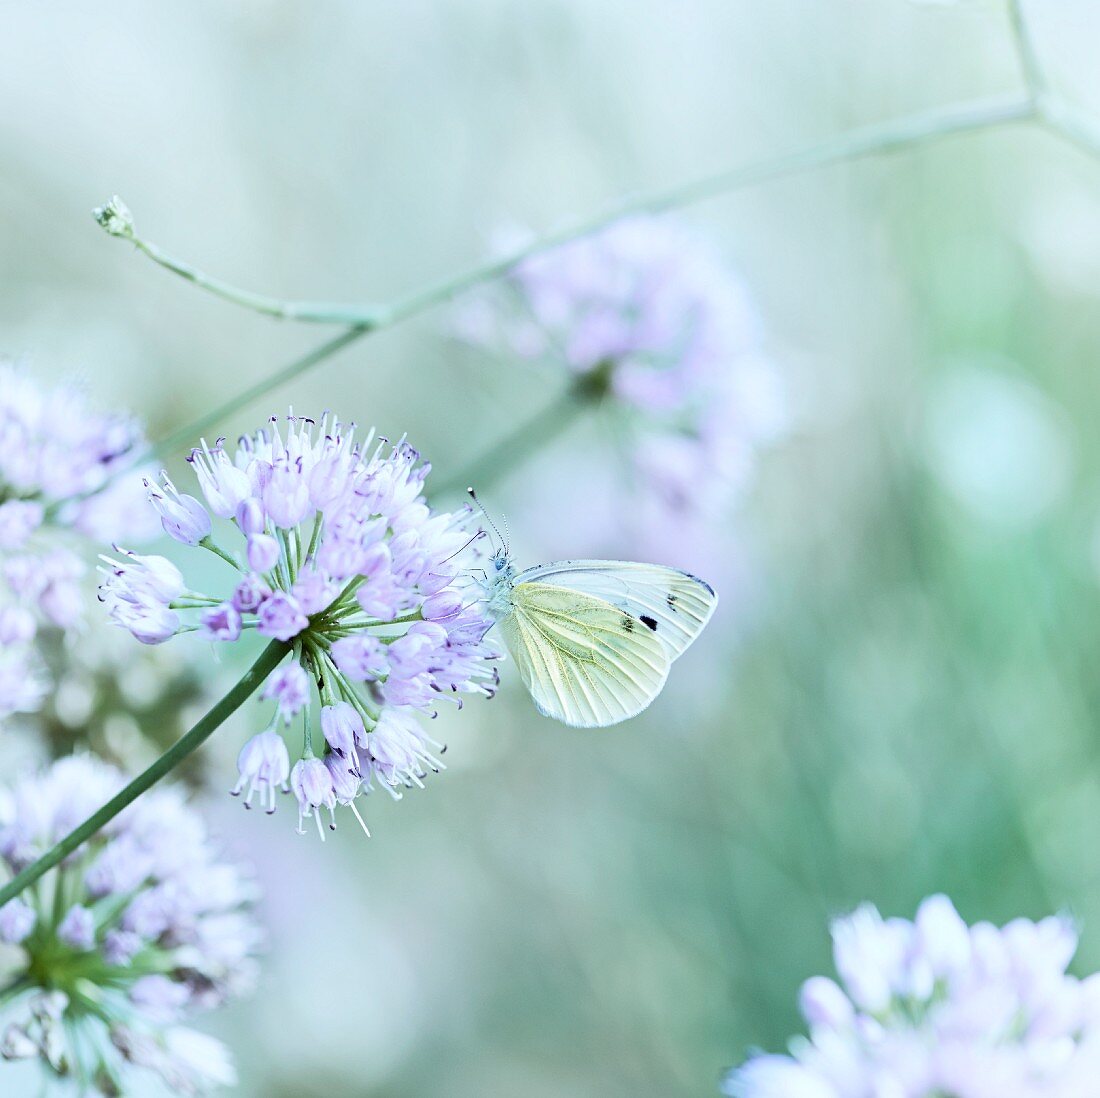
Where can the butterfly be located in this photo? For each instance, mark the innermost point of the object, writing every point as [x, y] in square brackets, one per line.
[594, 639]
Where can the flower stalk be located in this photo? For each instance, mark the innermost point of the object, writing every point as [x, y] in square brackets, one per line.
[517, 446]
[900, 134]
[233, 700]
[903, 133]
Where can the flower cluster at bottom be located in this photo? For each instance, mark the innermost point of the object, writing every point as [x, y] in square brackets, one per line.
[935, 1009]
[344, 562]
[139, 928]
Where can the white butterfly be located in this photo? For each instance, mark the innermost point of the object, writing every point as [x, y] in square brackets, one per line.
[594, 639]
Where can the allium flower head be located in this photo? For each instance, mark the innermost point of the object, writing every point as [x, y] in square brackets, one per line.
[138, 930]
[645, 312]
[932, 1007]
[57, 461]
[338, 556]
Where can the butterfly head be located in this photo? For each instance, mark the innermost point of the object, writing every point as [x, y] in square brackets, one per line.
[501, 572]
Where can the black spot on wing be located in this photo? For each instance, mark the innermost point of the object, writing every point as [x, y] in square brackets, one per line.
[670, 598]
[649, 622]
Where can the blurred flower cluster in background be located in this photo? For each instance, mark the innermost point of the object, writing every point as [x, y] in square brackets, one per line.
[859, 398]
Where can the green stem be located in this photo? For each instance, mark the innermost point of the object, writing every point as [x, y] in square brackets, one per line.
[857, 144]
[209, 543]
[516, 447]
[868, 141]
[315, 537]
[268, 660]
[260, 303]
[1032, 71]
[189, 432]
[1070, 124]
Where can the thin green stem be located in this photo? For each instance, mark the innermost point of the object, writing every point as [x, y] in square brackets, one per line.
[190, 432]
[1034, 79]
[315, 536]
[209, 543]
[264, 665]
[1072, 125]
[307, 733]
[857, 144]
[260, 303]
[902, 133]
[1052, 112]
[512, 450]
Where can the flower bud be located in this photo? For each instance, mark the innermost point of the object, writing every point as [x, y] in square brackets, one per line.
[942, 938]
[343, 728]
[312, 785]
[221, 622]
[250, 516]
[286, 495]
[148, 624]
[114, 217]
[361, 658]
[263, 552]
[160, 575]
[222, 483]
[17, 920]
[181, 515]
[249, 593]
[443, 606]
[345, 781]
[281, 617]
[264, 765]
[289, 686]
[77, 929]
[824, 1004]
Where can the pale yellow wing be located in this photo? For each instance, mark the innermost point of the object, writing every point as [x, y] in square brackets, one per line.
[585, 662]
[673, 604]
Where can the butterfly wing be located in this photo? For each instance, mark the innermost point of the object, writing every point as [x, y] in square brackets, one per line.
[674, 605]
[585, 662]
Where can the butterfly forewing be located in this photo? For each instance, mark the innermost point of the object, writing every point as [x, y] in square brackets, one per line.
[673, 605]
[585, 661]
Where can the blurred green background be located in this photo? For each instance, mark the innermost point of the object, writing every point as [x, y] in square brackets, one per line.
[900, 693]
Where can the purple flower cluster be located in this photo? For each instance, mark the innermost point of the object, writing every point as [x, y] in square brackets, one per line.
[140, 928]
[339, 557]
[932, 1007]
[57, 461]
[645, 311]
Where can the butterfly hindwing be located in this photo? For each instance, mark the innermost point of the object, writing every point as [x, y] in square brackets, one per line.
[674, 605]
[585, 661]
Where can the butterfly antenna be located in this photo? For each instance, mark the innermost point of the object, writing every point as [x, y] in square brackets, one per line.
[461, 548]
[488, 518]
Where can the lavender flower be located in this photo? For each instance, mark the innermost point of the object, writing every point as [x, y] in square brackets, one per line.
[343, 560]
[58, 461]
[139, 929]
[644, 312]
[934, 1007]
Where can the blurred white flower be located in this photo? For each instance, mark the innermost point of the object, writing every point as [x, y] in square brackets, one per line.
[934, 1007]
[58, 462]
